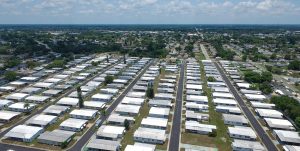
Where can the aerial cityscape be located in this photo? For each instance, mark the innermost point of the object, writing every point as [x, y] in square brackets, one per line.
[149, 75]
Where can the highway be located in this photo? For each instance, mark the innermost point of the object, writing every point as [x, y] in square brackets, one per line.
[176, 124]
[257, 127]
[85, 138]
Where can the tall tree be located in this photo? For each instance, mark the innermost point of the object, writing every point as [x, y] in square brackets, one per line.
[126, 124]
[150, 91]
[108, 79]
[26, 106]
[80, 99]
[124, 58]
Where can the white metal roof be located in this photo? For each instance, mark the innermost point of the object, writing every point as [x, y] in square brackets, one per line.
[41, 119]
[56, 109]
[52, 80]
[262, 105]
[288, 136]
[269, 113]
[7, 115]
[224, 101]
[222, 95]
[128, 108]
[245, 131]
[109, 129]
[74, 123]
[243, 85]
[102, 96]
[131, 100]
[252, 145]
[257, 97]
[194, 86]
[150, 133]
[17, 96]
[38, 98]
[23, 132]
[152, 121]
[5, 102]
[94, 104]
[20, 105]
[196, 98]
[43, 85]
[136, 94]
[68, 101]
[159, 111]
[83, 112]
[279, 123]
[139, 148]
[194, 125]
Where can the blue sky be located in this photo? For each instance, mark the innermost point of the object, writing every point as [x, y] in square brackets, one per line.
[149, 11]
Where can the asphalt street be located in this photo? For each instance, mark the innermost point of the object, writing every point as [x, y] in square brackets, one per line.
[176, 125]
[257, 127]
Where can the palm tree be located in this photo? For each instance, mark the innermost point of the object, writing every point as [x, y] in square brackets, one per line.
[26, 106]
[103, 111]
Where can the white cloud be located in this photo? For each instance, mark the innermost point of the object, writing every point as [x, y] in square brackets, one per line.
[151, 8]
[265, 5]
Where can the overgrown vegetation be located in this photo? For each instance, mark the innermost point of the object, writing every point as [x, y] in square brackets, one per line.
[57, 63]
[10, 75]
[259, 81]
[108, 79]
[289, 106]
[221, 52]
[294, 65]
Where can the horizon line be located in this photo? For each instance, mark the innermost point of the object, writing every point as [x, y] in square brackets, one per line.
[143, 24]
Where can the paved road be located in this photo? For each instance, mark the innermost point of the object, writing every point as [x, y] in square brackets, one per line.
[83, 140]
[8, 147]
[257, 127]
[41, 110]
[204, 51]
[176, 125]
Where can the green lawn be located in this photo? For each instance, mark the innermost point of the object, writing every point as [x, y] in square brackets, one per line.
[128, 137]
[198, 139]
[298, 87]
[144, 111]
[222, 140]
